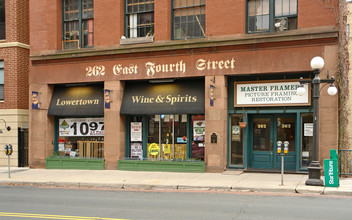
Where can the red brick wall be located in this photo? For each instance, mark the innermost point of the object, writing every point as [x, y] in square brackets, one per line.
[223, 17]
[317, 13]
[16, 59]
[45, 25]
[15, 78]
[16, 18]
[108, 25]
[162, 20]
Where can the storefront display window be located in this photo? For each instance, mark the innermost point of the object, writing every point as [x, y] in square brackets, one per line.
[307, 139]
[236, 157]
[198, 143]
[81, 137]
[167, 137]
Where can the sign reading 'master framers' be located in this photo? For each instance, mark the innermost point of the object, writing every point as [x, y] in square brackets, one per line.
[281, 93]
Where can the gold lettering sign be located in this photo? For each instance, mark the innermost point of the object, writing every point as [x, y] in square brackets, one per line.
[77, 102]
[164, 99]
[202, 64]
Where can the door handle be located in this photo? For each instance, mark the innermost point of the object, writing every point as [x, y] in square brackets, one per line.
[271, 147]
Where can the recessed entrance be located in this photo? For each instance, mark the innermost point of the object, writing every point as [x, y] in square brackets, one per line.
[264, 132]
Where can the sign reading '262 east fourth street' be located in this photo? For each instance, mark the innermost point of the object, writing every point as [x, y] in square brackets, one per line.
[273, 93]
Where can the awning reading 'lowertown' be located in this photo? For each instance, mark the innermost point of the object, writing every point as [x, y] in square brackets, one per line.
[77, 101]
[181, 97]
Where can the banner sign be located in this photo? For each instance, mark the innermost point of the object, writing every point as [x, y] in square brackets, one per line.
[179, 97]
[35, 100]
[107, 98]
[81, 127]
[77, 101]
[270, 94]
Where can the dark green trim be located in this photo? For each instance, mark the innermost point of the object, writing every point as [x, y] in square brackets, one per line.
[56, 134]
[189, 136]
[74, 163]
[127, 137]
[145, 135]
[164, 166]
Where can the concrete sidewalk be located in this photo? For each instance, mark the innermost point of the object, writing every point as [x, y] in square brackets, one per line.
[115, 179]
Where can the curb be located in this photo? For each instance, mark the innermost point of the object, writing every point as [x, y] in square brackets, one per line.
[131, 186]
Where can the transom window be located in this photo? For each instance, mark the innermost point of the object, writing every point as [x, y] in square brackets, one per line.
[2, 19]
[78, 24]
[139, 18]
[188, 19]
[271, 15]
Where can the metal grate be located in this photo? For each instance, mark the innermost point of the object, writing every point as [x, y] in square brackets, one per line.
[345, 162]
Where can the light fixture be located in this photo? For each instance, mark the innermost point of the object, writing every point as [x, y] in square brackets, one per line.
[161, 80]
[123, 37]
[301, 90]
[314, 168]
[317, 63]
[8, 128]
[332, 90]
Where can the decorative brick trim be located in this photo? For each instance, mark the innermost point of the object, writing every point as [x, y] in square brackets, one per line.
[14, 44]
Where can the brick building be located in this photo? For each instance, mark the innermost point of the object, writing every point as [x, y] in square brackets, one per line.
[14, 70]
[166, 85]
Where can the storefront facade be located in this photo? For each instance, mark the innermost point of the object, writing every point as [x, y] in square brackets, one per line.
[182, 101]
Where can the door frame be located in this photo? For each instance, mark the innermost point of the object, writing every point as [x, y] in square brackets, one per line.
[275, 160]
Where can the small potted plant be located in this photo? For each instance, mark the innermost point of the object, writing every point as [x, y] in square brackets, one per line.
[242, 124]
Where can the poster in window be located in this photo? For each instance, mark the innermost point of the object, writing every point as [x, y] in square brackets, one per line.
[198, 130]
[136, 150]
[308, 129]
[236, 131]
[136, 131]
[69, 127]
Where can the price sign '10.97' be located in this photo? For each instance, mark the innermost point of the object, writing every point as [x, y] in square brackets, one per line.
[81, 127]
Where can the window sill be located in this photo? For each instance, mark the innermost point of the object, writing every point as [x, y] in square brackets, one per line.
[137, 40]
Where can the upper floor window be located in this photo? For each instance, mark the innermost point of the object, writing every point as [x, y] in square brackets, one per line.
[188, 19]
[2, 19]
[78, 24]
[139, 18]
[271, 15]
[1, 80]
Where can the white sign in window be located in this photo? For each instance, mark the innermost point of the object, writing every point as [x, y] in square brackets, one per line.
[308, 129]
[136, 131]
[81, 127]
[276, 93]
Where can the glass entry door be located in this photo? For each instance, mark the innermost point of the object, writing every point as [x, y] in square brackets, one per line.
[265, 131]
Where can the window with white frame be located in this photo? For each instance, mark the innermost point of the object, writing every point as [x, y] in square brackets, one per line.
[139, 18]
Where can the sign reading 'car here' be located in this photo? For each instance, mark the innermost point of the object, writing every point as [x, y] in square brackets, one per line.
[277, 93]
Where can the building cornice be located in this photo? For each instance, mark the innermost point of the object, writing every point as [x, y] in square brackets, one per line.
[14, 44]
[297, 37]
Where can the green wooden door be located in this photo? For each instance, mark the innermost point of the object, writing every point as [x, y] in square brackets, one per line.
[265, 131]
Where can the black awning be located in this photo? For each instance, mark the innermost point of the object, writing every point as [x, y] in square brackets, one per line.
[181, 97]
[77, 101]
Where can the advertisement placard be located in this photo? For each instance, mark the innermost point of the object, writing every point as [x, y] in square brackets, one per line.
[81, 127]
